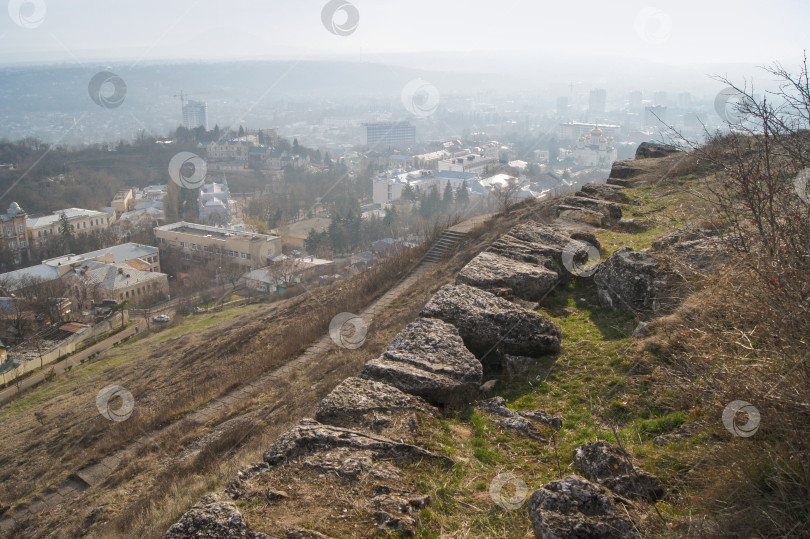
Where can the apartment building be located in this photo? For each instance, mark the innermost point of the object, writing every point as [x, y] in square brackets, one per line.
[229, 150]
[122, 201]
[130, 271]
[80, 221]
[12, 231]
[385, 134]
[202, 243]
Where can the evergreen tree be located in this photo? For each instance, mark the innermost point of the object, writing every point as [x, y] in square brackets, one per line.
[64, 226]
[447, 198]
[463, 195]
[430, 205]
[408, 193]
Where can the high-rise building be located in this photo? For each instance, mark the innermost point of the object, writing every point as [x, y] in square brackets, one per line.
[195, 114]
[597, 101]
[660, 99]
[384, 134]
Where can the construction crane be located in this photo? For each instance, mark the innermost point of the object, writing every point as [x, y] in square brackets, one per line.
[183, 97]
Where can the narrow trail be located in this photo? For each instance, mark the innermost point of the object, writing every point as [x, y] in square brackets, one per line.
[95, 474]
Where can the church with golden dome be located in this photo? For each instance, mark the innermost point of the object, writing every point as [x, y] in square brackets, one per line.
[595, 150]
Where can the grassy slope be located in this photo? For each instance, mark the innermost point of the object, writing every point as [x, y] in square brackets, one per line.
[602, 384]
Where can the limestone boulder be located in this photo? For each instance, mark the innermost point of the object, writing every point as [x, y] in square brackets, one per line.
[612, 193]
[630, 280]
[582, 215]
[647, 150]
[488, 323]
[613, 468]
[624, 170]
[429, 359]
[357, 402]
[575, 507]
[212, 518]
[610, 210]
[544, 245]
[492, 271]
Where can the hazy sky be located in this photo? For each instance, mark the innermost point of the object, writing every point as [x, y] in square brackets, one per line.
[688, 31]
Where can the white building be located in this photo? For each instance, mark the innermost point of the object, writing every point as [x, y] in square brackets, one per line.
[215, 202]
[195, 114]
[574, 130]
[80, 222]
[595, 150]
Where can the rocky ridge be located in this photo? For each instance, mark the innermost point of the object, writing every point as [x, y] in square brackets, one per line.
[466, 333]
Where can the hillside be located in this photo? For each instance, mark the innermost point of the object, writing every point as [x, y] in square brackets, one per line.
[601, 432]
[470, 422]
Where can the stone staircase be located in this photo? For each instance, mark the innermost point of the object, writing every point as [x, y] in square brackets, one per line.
[444, 246]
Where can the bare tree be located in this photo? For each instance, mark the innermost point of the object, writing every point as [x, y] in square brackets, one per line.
[506, 195]
[284, 272]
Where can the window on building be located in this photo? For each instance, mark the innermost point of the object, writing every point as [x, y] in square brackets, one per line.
[20, 228]
[23, 243]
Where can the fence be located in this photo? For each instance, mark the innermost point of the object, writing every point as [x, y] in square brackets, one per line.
[68, 348]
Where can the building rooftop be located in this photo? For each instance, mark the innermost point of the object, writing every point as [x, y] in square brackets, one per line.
[121, 253]
[71, 213]
[14, 280]
[14, 210]
[213, 231]
[113, 277]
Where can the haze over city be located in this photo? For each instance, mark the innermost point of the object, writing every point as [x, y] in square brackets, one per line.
[374, 268]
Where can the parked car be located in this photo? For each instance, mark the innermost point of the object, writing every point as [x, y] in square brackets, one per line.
[161, 318]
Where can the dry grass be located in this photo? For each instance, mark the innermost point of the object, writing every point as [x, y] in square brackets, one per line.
[172, 373]
[169, 374]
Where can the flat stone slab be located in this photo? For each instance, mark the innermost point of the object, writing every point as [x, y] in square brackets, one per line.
[355, 402]
[543, 245]
[604, 191]
[492, 271]
[310, 437]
